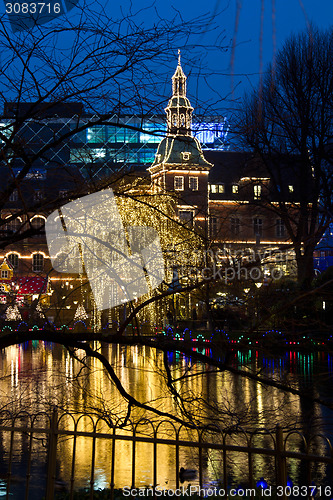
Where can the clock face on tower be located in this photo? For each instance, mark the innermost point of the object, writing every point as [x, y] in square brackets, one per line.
[24, 15]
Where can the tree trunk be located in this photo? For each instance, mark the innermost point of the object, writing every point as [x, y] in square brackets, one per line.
[305, 271]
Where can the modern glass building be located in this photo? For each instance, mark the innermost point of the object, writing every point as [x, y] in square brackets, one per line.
[120, 142]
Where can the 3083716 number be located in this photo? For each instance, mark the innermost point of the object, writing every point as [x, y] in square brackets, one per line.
[33, 8]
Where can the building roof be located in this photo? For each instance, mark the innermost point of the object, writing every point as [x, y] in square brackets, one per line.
[170, 152]
[32, 285]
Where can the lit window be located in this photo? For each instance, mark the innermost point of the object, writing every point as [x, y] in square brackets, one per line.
[4, 274]
[291, 188]
[217, 188]
[37, 262]
[193, 183]
[179, 183]
[235, 225]
[257, 226]
[186, 156]
[280, 228]
[257, 192]
[13, 195]
[234, 188]
[13, 260]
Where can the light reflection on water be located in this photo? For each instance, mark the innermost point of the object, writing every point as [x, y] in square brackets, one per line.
[38, 375]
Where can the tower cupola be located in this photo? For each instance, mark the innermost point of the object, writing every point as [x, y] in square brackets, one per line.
[179, 110]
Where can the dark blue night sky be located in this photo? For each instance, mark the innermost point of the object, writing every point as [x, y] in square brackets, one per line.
[290, 16]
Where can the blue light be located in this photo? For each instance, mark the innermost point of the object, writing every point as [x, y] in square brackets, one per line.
[289, 482]
[262, 483]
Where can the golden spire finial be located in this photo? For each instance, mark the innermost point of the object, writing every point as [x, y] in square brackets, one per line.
[178, 57]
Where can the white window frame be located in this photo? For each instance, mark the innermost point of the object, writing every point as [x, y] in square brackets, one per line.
[180, 179]
[194, 180]
[14, 266]
[257, 188]
[37, 267]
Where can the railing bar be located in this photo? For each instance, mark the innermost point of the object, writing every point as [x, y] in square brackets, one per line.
[225, 471]
[28, 468]
[133, 458]
[92, 481]
[113, 456]
[216, 446]
[155, 467]
[10, 464]
[200, 466]
[177, 462]
[72, 480]
[251, 481]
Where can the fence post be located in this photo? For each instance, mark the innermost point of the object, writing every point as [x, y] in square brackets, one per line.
[52, 456]
[281, 461]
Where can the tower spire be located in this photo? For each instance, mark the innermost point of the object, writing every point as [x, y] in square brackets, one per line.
[179, 110]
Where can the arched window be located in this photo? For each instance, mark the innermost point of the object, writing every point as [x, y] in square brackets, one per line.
[182, 120]
[13, 259]
[13, 226]
[37, 262]
[174, 119]
[38, 223]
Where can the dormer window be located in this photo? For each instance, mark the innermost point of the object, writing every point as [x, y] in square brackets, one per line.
[257, 191]
[186, 156]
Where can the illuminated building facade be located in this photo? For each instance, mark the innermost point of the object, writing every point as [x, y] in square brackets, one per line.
[227, 196]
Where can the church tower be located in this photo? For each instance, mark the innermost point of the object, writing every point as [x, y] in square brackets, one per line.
[179, 164]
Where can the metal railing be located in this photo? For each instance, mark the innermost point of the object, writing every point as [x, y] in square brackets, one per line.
[67, 426]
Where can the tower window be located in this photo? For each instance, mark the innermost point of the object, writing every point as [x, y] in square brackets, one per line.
[257, 191]
[179, 183]
[193, 183]
[182, 120]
